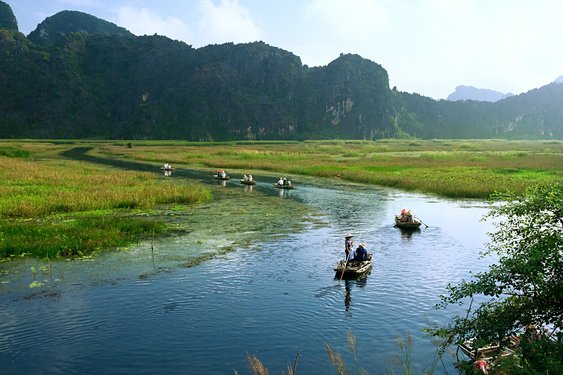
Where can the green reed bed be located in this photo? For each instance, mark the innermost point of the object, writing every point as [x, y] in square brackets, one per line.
[33, 189]
[60, 207]
[73, 237]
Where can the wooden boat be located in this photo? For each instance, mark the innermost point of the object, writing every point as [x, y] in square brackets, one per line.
[248, 182]
[218, 173]
[414, 224]
[484, 357]
[169, 168]
[284, 186]
[354, 268]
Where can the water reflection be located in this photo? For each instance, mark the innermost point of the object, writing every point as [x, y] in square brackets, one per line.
[359, 282]
[248, 187]
[284, 193]
[167, 172]
[407, 234]
[347, 295]
[221, 182]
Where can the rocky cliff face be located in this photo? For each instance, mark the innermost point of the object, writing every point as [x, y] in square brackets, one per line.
[54, 28]
[80, 77]
[7, 18]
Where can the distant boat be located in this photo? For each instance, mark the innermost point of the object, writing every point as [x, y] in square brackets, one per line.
[248, 182]
[354, 268]
[284, 186]
[413, 224]
[167, 167]
[219, 175]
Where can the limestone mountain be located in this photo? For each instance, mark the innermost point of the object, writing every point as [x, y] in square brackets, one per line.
[63, 23]
[77, 76]
[536, 114]
[7, 19]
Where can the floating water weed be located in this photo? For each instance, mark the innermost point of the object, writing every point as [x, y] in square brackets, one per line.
[36, 284]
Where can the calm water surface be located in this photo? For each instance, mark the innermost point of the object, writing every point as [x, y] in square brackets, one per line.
[271, 292]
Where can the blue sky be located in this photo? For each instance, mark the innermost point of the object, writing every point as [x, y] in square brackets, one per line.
[426, 46]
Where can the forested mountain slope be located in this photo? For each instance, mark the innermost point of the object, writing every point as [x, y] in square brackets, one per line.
[77, 76]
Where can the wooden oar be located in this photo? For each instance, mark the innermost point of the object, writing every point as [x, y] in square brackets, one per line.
[344, 269]
[422, 222]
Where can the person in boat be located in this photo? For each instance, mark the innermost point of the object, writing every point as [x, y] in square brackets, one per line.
[280, 182]
[406, 216]
[245, 178]
[249, 177]
[361, 253]
[284, 181]
[288, 182]
[222, 174]
[481, 364]
[348, 243]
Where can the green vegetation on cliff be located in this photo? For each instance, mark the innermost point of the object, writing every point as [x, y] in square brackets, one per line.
[77, 76]
[7, 19]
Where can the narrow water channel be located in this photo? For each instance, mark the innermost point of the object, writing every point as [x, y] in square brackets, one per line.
[249, 273]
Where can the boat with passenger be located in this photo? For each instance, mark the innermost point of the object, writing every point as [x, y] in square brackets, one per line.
[353, 268]
[284, 183]
[248, 180]
[221, 175]
[407, 220]
[167, 167]
[485, 357]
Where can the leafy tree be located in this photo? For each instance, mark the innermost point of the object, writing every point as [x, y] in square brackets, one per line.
[525, 286]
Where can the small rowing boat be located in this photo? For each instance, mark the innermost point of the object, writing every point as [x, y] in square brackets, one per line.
[353, 268]
[414, 223]
[485, 357]
[248, 182]
[284, 186]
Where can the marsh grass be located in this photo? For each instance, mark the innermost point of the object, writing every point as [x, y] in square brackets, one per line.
[30, 189]
[81, 236]
[14, 152]
[55, 207]
[451, 168]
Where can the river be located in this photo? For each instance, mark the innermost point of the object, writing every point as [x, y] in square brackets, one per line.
[249, 273]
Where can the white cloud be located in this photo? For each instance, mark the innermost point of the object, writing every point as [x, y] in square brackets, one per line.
[227, 21]
[146, 22]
